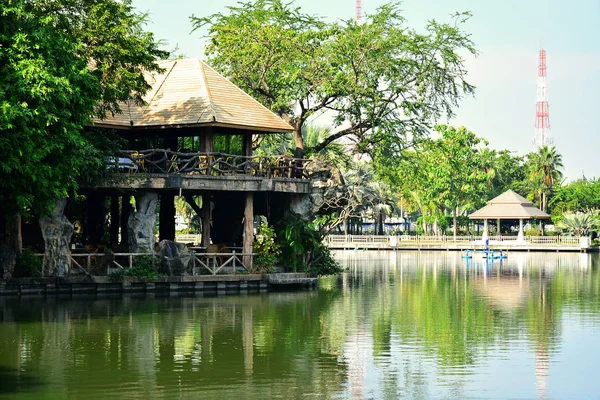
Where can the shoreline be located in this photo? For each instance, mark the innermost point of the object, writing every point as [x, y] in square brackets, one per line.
[228, 284]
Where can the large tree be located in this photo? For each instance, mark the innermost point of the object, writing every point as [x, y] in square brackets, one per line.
[384, 83]
[62, 63]
[447, 172]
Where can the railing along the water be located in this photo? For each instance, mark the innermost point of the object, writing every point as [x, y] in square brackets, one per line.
[211, 262]
[160, 161]
[407, 240]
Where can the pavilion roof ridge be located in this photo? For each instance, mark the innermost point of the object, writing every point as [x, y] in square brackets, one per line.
[510, 197]
[190, 93]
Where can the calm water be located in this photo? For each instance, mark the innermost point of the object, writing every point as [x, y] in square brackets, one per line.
[396, 325]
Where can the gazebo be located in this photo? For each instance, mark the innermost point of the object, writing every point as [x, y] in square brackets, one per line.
[509, 205]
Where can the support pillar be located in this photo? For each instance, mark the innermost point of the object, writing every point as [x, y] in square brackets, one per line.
[96, 218]
[498, 227]
[484, 236]
[125, 212]
[57, 232]
[520, 237]
[167, 217]
[114, 219]
[248, 229]
[142, 222]
[205, 217]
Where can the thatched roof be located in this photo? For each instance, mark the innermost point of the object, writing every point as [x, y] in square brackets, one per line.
[509, 205]
[189, 93]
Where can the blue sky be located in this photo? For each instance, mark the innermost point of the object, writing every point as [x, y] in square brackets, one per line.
[508, 35]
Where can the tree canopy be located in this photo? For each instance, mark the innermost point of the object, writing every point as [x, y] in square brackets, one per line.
[385, 84]
[61, 63]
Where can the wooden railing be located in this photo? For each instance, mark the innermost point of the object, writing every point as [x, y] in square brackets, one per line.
[159, 161]
[212, 262]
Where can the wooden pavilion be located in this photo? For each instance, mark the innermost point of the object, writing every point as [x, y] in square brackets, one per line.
[508, 206]
[194, 137]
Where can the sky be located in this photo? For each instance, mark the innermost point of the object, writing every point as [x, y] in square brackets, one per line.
[508, 35]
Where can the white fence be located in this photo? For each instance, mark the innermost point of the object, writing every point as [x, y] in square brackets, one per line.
[405, 240]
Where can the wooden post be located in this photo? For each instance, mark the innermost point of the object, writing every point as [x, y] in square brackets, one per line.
[114, 219]
[248, 144]
[125, 211]
[248, 229]
[205, 216]
[167, 217]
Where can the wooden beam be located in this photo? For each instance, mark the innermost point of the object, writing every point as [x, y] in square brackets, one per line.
[248, 229]
[167, 216]
[125, 211]
[114, 219]
[205, 217]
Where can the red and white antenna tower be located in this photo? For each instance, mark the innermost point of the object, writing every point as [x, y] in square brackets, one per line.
[542, 111]
[358, 10]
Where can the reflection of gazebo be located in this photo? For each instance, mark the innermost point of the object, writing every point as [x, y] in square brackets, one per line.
[509, 205]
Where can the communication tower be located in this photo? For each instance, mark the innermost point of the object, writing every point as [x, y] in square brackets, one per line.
[542, 111]
[358, 10]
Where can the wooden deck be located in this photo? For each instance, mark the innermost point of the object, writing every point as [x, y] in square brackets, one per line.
[448, 243]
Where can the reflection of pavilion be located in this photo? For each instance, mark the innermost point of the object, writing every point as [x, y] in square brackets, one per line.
[503, 292]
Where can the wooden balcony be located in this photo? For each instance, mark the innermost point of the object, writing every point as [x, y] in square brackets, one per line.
[171, 170]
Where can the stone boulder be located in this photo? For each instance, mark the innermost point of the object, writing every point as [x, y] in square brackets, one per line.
[142, 222]
[175, 258]
[57, 232]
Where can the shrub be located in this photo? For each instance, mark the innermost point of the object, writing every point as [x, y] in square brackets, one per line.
[28, 265]
[532, 232]
[266, 250]
[142, 268]
[303, 250]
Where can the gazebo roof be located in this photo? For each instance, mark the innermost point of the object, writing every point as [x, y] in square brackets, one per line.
[189, 93]
[509, 205]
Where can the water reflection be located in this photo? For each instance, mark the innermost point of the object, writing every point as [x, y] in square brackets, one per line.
[396, 325]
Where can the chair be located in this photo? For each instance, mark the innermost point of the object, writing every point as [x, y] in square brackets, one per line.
[138, 159]
[173, 164]
[203, 164]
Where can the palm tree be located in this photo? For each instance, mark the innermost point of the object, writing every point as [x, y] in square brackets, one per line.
[578, 224]
[545, 171]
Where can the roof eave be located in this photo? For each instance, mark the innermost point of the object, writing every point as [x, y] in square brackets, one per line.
[104, 124]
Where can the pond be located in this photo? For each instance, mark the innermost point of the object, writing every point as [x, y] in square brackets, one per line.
[408, 325]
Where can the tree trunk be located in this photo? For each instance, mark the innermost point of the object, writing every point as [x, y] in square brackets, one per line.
[544, 201]
[381, 223]
[14, 240]
[299, 153]
[455, 221]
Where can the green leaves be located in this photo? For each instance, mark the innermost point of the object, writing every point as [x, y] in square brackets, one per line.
[61, 63]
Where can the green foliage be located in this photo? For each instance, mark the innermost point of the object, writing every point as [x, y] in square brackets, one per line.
[544, 171]
[533, 232]
[443, 173]
[383, 77]
[266, 250]
[61, 63]
[28, 265]
[578, 224]
[303, 250]
[577, 196]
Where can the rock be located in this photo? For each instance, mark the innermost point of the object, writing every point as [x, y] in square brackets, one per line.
[57, 232]
[175, 258]
[142, 222]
